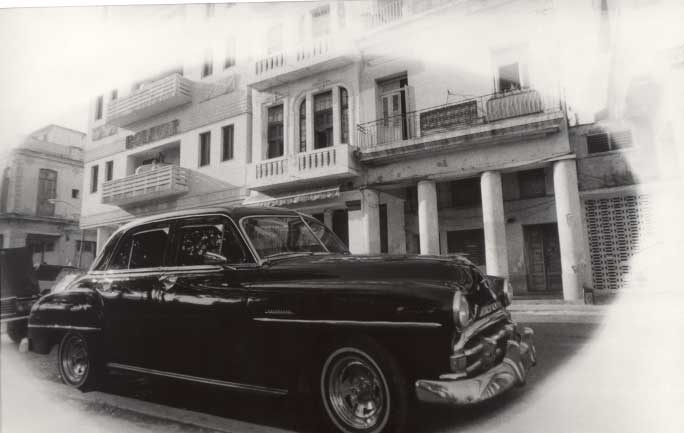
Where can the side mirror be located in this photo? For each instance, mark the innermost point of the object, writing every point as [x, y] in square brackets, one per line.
[214, 259]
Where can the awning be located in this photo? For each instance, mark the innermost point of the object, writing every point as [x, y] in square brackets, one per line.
[292, 199]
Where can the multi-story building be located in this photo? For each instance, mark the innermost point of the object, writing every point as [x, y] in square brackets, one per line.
[40, 198]
[408, 126]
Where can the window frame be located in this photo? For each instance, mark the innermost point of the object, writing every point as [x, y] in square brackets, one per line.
[133, 231]
[47, 179]
[610, 141]
[269, 124]
[331, 135]
[200, 154]
[227, 156]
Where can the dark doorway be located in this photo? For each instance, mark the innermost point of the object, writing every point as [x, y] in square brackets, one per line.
[384, 244]
[469, 243]
[542, 255]
[341, 225]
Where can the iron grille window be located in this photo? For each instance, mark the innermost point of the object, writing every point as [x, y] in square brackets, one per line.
[94, 173]
[99, 107]
[275, 132]
[344, 115]
[604, 142]
[227, 142]
[109, 170]
[323, 120]
[532, 183]
[302, 126]
[205, 149]
[47, 190]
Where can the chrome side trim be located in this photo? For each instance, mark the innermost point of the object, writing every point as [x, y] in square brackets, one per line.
[377, 323]
[13, 319]
[232, 385]
[75, 328]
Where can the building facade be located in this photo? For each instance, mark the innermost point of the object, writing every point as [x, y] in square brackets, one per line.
[352, 112]
[40, 198]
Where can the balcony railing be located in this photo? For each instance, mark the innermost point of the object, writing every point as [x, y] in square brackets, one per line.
[314, 56]
[305, 167]
[155, 98]
[459, 115]
[164, 182]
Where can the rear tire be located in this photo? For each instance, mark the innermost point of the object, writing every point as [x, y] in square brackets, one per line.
[362, 389]
[77, 361]
[17, 330]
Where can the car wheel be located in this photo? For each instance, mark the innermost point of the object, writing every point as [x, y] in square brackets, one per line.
[363, 390]
[17, 330]
[76, 360]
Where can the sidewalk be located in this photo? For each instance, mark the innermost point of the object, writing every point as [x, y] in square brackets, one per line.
[556, 311]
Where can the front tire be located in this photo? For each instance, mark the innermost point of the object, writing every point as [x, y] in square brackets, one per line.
[77, 361]
[363, 389]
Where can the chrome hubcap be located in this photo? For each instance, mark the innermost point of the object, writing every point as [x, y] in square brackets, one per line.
[75, 359]
[356, 392]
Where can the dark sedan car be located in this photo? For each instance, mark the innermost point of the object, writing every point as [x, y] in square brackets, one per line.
[270, 301]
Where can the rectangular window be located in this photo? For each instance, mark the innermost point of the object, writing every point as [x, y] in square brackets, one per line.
[509, 77]
[114, 95]
[144, 249]
[47, 191]
[208, 65]
[75, 193]
[109, 170]
[39, 244]
[302, 126]
[344, 115]
[88, 246]
[205, 149]
[532, 183]
[384, 242]
[323, 122]
[275, 39]
[230, 54]
[99, 107]
[227, 143]
[604, 142]
[275, 132]
[94, 172]
[320, 21]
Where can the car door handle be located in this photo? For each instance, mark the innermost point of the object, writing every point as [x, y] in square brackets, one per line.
[168, 281]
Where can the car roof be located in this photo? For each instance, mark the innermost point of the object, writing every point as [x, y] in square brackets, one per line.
[236, 212]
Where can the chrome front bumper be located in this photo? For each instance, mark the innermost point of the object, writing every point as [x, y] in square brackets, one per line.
[512, 370]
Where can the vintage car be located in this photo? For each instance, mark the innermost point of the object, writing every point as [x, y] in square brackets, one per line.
[19, 289]
[270, 301]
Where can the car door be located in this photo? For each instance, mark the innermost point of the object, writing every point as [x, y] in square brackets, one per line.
[202, 302]
[127, 288]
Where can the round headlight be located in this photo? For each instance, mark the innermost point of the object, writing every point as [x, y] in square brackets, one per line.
[460, 310]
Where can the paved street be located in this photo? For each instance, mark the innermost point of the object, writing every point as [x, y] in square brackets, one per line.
[33, 398]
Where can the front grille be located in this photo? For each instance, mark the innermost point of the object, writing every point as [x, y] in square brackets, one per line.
[8, 307]
[487, 348]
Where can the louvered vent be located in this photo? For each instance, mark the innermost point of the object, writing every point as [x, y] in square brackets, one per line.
[615, 226]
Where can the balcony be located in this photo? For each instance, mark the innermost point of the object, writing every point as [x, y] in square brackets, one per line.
[160, 183]
[477, 121]
[154, 98]
[307, 168]
[319, 55]
[392, 11]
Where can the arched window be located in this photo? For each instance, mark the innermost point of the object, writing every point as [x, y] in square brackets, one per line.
[302, 126]
[344, 115]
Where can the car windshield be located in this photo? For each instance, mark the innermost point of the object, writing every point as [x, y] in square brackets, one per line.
[276, 235]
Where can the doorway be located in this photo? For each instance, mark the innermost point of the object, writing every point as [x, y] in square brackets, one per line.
[542, 256]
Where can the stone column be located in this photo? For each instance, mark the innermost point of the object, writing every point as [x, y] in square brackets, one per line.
[428, 219]
[328, 218]
[309, 123]
[103, 234]
[370, 221]
[569, 214]
[496, 253]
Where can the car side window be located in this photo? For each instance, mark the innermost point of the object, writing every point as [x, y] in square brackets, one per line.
[141, 249]
[195, 240]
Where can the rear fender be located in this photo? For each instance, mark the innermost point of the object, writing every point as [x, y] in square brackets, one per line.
[79, 309]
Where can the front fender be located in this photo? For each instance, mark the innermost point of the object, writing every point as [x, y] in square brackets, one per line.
[79, 309]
